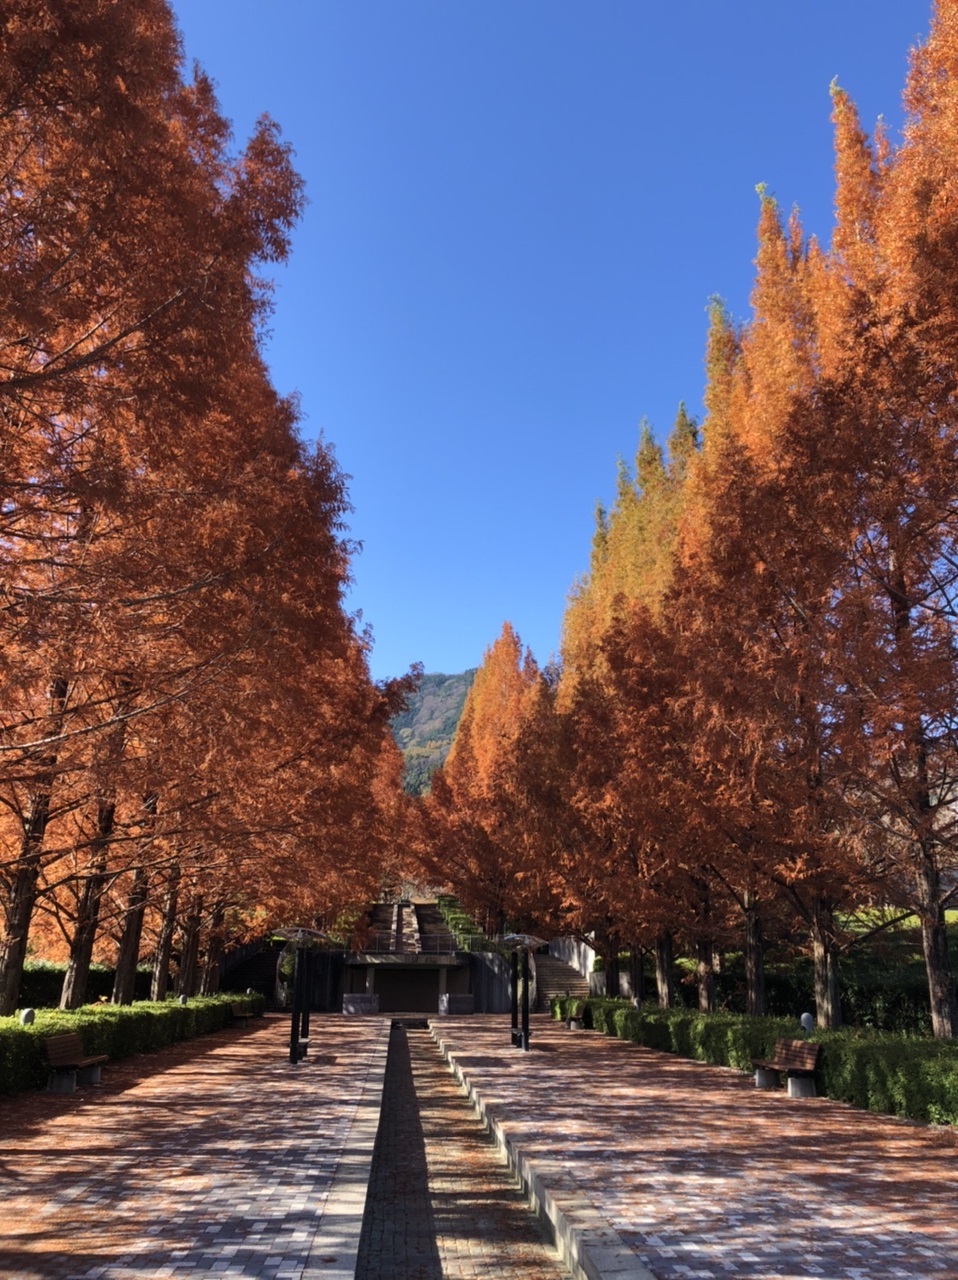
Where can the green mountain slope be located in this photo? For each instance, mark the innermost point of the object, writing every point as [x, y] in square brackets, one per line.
[425, 730]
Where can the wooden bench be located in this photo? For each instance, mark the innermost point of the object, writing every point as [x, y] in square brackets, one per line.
[797, 1059]
[69, 1065]
[241, 1014]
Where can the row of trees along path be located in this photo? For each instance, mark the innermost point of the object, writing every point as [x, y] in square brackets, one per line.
[753, 731]
[190, 743]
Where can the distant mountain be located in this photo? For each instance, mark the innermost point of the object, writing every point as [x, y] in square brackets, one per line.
[425, 730]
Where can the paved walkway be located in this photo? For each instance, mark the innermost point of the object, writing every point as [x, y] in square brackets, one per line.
[651, 1165]
[220, 1159]
[213, 1158]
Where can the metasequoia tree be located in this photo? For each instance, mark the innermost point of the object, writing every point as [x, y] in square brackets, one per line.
[169, 549]
[127, 242]
[475, 834]
[632, 548]
[631, 565]
[893, 402]
[748, 597]
[759, 673]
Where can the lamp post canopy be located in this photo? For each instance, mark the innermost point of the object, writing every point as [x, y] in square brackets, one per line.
[524, 940]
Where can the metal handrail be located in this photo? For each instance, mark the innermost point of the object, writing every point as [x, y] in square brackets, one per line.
[385, 944]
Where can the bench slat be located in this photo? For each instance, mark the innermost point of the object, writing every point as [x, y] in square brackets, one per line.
[794, 1057]
[65, 1052]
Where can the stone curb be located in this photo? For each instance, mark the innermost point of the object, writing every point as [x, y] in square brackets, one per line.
[335, 1246]
[588, 1245]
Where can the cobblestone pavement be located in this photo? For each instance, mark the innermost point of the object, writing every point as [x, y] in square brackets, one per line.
[214, 1158]
[689, 1171]
[442, 1205]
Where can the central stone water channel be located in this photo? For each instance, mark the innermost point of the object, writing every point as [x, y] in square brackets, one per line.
[441, 1203]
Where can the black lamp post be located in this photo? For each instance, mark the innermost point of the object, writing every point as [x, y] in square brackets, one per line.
[514, 992]
[522, 944]
[304, 943]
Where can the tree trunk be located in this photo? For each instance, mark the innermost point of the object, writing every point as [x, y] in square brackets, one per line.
[755, 1003]
[186, 979]
[828, 1005]
[128, 952]
[73, 993]
[164, 944]
[612, 984]
[704, 949]
[665, 968]
[210, 980]
[637, 972]
[22, 894]
[705, 974]
[934, 941]
[18, 910]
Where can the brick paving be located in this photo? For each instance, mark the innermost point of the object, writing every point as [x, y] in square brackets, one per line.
[652, 1165]
[216, 1158]
[441, 1204]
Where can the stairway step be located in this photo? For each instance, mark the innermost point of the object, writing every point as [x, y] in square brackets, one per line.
[556, 978]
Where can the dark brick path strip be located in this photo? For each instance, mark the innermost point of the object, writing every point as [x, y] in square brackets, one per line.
[441, 1203]
[398, 1233]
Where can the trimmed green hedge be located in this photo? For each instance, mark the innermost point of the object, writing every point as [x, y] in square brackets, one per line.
[896, 1075]
[116, 1030]
[42, 983]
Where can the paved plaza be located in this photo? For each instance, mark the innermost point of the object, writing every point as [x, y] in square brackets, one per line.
[218, 1158]
[653, 1164]
[212, 1158]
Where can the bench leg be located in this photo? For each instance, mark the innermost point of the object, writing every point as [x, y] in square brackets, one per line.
[89, 1075]
[62, 1082]
[765, 1078]
[801, 1087]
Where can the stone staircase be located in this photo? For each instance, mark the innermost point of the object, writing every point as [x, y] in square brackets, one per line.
[407, 941]
[434, 933]
[556, 978]
[382, 927]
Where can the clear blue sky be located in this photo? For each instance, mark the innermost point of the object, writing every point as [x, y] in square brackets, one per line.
[518, 212]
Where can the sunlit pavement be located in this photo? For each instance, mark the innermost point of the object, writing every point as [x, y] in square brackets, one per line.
[218, 1158]
[647, 1160]
[215, 1158]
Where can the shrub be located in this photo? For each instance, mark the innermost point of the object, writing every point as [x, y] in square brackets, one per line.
[880, 1071]
[116, 1030]
[903, 1076]
[42, 983]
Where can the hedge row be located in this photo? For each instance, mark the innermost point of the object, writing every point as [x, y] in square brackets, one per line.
[116, 1030]
[42, 984]
[883, 982]
[896, 1075]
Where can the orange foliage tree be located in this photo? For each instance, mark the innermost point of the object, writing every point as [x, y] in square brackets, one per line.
[756, 704]
[480, 833]
[188, 722]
